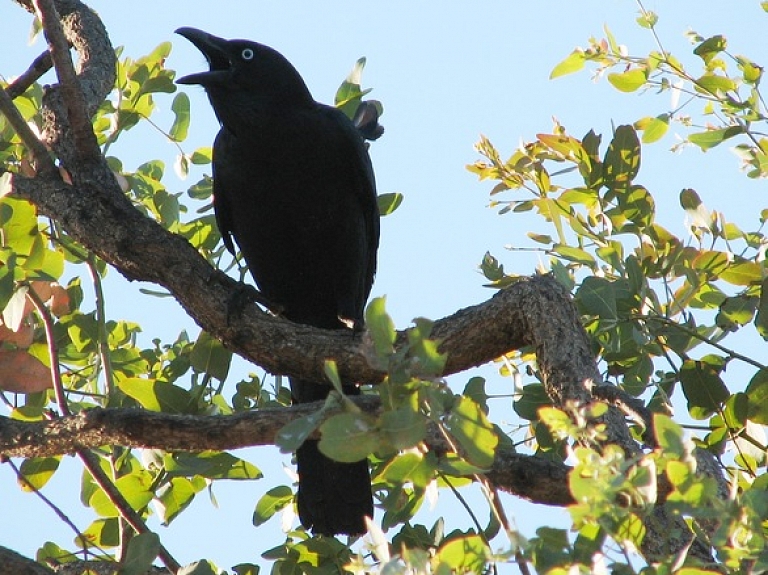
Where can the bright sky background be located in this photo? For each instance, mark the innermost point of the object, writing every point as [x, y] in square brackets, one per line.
[446, 73]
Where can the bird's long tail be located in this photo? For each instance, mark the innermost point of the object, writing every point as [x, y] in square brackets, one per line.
[333, 498]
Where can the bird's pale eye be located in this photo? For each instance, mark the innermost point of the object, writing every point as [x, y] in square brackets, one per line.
[247, 54]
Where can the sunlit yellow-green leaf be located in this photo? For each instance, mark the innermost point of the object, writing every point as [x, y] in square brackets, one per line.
[572, 63]
[629, 81]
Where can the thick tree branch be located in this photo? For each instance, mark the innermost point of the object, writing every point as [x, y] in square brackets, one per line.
[77, 112]
[39, 66]
[532, 478]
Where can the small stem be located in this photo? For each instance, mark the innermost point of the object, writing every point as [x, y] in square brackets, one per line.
[84, 541]
[53, 351]
[40, 156]
[90, 461]
[101, 323]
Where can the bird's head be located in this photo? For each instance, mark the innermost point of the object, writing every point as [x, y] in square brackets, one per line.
[244, 78]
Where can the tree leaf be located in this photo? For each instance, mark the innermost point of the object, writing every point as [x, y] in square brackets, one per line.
[534, 397]
[757, 394]
[292, 435]
[403, 427]
[629, 81]
[388, 203]
[157, 395]
[142, 551]
[380, 327]
[710, 47]
[181, 117]
[711, 138]
[572, 63]
[210, 464]
[463, 554]
[136, 487]
[622, 158]
[597, 296]
[272, 502]
[477, 436]
[198, 568]
[37, 471]
[743, 273]
[703, 388]
[653, 128]
[348, 437]
[210, 356]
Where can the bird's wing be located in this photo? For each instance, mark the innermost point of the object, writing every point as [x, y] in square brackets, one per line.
[221, 207]
[366, 192]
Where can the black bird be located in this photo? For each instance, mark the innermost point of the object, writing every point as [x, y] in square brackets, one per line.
[293, 185]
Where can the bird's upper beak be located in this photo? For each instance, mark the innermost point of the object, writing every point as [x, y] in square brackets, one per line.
[215, 51]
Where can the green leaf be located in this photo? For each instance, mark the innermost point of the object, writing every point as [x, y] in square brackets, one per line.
[629, 81]
[181, 117]
[736, 311]
[271, 502]
[388, 203]
[703, 388]
[712, 262]
[102, 532]
[37, 471]
[157, 395]
[711, 138]
[7, 285]
[463, 554]
[202, 156]
[743, 273]
[669, 435]
[380, 327]
[403, 428]
[198, 568]
[135, 487]
[757, 394]
[653, 128]
[175, 496]
[246, 569]
[572, 63]
[349, 94]
[477, 436]
[597, 296]
[761, 319]
[736, 411]
[710, 47]
[534, 397]
[210, 464]
[647, 19]
[622, 158]
[348, 437]
[210, 356]
[714, 84]
[416, 468]
[574, 255]
[292, 435]
[142, 551]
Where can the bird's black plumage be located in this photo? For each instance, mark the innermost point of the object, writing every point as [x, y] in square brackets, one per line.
[294, 186]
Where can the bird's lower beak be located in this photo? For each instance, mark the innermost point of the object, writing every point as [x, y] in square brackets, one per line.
[214, 50]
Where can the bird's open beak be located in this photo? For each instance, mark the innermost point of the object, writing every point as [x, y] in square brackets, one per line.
[215, 51]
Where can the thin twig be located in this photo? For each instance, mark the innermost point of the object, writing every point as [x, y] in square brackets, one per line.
[41, 157]
[90, 461]
[39, 66]
[53, 351]
[84, 540]
[86, 146]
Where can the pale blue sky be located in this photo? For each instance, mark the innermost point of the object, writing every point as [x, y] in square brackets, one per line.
[446, 73]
